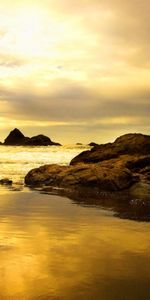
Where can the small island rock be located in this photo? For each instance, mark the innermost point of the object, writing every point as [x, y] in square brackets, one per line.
[17, 138]
[6, 181]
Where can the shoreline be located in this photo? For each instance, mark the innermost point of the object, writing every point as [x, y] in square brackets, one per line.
[132, 204]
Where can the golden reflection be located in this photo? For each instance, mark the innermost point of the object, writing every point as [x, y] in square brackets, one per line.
[48, 246]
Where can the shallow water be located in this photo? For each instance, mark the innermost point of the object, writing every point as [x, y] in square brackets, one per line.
[16, 161]
[54, 248]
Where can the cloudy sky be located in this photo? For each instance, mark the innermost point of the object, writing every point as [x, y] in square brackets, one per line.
[77, 71]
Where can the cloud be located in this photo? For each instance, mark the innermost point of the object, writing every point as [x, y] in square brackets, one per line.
[83, 64]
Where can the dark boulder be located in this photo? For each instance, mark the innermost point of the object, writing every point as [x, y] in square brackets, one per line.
[127, 144]
[111, 177]
[134, 143]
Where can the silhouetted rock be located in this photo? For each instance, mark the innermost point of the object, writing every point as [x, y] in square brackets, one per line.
[42, 140]
[127, 144]
[6, 181]
[16, 138]
[78, 144]
[1, 143]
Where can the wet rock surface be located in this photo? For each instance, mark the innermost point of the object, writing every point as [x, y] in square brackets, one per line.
[115, 166]
[91, 175]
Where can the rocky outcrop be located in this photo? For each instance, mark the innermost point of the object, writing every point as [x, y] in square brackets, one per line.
[17, 138]
[82, 175]
[113, 175]
[130, 144]
[110, 167]
[42, 140]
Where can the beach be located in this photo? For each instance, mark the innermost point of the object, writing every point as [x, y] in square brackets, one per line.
[54, 248]
[66, 247]
[74, 150]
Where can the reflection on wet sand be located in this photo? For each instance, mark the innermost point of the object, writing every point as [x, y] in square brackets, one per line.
[51, 248]
[133, 203]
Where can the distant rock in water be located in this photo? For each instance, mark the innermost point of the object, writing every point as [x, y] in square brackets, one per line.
[42, 140]
[6, 181]
[79, 144]
[17, 138]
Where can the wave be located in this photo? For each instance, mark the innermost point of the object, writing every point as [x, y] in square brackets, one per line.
[15, 162]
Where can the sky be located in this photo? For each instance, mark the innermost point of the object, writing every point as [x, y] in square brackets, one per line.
[77, 71]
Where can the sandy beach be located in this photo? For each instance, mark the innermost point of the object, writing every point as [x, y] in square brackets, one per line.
[52, 247]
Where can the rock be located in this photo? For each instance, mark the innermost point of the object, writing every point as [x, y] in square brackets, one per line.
[6, 181]
[1, 143]
[16, 138]
[140, 190]
[145, 173]
[127, 144]
[42, 140]
[82, 175]
[79, 144]
[92, 144]
[109, 167]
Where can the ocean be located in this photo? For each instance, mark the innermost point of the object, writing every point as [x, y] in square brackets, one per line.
[16, 161]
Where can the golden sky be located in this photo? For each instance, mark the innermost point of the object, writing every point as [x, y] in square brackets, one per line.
[75, 70]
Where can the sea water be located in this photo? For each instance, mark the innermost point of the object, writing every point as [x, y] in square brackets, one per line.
[16, 161]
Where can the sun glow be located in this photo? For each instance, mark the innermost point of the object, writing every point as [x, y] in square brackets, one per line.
[28, 32]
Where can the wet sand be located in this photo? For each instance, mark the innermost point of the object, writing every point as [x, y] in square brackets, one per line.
[53, 247]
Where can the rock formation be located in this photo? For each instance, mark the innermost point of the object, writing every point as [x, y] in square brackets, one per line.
[42, 140]
[130, 144]
[81, 175]
[16, 138]
[111, 167]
